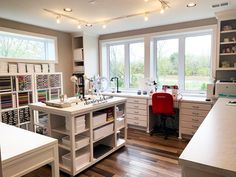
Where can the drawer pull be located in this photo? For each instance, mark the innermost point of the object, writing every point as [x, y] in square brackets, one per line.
[135, 106]
[135, 117]
[196, 120]
[136, 123]
[136, 112]
[195, 107]
[136, 101]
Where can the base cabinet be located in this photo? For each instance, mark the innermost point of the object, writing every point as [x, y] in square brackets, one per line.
[137, 113]
[191, 116]
[86, 137]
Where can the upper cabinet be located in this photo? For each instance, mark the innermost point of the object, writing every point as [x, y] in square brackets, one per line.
[85, 51]
[226, 40]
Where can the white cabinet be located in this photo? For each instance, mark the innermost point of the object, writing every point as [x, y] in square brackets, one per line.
[137, 112]
[192, 115]
[86, 134]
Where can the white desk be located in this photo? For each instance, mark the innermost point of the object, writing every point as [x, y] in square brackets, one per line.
[23, 151]
[212, 150]
[141, 103]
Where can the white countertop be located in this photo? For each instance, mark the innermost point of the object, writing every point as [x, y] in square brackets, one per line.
[134, 95]
[76, 108]
[214, 144]
[16, 142]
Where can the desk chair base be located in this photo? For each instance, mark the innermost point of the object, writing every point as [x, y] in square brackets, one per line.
[163, 129]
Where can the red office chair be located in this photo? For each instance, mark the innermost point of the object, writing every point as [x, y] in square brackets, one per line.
[163, 105]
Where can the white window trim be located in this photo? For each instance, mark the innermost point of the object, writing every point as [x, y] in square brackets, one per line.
[35, 35]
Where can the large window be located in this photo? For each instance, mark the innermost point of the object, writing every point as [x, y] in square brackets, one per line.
[136, 58]
[18, 45]
[197, 62]
[117, 63]
[126, 61]
[167, 63]
[184, 60]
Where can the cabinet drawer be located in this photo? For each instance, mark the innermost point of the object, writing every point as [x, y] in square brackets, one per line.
[191, 125]
[136, 117]
[188, 118]
[193, 112]
[136, 106]
[137, 122]
[137, 101]
[196, 106]
[188, 131]
[136, 111]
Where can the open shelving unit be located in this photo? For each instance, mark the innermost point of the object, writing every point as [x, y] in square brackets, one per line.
[226, 41]
[16, 92]
[48, 86]
[87, 136]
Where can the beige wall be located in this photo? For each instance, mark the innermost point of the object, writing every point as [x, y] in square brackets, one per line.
[156, 29]
[64, 64]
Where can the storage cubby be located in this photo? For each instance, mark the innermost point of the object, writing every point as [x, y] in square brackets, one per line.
[103, 146]
[24, 82]
[5, 84]
[10, 117]
[24, 115]
[7, 101]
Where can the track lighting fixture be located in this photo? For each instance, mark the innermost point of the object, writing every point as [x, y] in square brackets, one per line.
[163, 3]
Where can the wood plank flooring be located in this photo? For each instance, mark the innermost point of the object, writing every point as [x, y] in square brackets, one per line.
[143, 156]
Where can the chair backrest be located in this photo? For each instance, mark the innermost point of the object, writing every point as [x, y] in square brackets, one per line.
[162, 103]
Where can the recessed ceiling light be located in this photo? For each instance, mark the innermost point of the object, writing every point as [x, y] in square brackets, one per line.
[67, 9]
[92, 2]
[191, 4]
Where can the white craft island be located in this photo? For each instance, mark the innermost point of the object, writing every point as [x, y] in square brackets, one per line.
[23, 151]
[212, 150]
[87, 132]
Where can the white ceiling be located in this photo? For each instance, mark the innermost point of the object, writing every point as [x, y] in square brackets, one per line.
[31, 12]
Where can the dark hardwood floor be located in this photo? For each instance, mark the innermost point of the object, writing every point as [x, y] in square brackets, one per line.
[143, 156]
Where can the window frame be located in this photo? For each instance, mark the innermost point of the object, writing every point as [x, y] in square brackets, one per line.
[126, 44]
[181, 56]
[36, 35]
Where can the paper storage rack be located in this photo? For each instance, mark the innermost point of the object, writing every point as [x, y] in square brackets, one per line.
[86, 134]
[48, 86]
[16, 92]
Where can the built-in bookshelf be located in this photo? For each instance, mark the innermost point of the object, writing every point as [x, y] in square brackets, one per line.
[226, 40]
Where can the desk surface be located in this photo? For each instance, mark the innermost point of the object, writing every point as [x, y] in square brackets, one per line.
[184, 98]
[76, 108]
[214, 143]
[16, 142]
